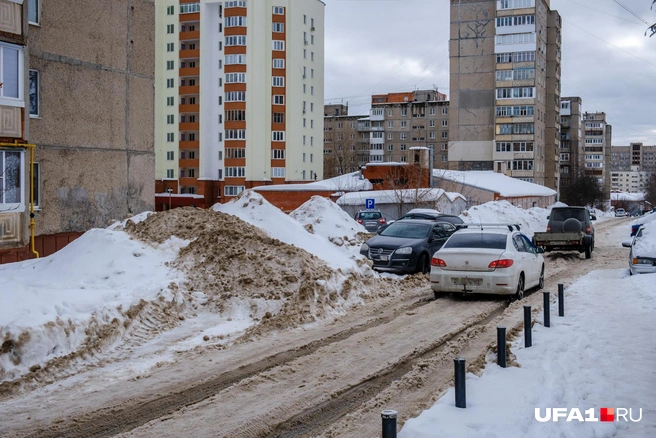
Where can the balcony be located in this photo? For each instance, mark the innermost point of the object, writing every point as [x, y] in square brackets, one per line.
[189, 54]
[189, 163]
[189, 126]
[187, 181]
[189, 89]
[187, 18]
[194, 144]
[192, 35]
[189, 108]
[189, 71]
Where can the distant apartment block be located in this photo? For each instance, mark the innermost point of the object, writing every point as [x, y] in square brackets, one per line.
[631, 167]
[239, 100]
[345, 148]
[597, 149]
[571, 154]
[77, 84]
[505, 88]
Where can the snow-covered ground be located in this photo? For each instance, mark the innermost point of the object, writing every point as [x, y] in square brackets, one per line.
[55, 306]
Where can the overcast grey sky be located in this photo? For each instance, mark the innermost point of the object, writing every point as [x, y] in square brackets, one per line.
[384, 46]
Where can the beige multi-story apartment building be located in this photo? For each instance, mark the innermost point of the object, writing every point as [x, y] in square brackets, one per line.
[632, 167]
[239, 95]
[76, 141]
[571, 140]
[505, 88]
[597, 149]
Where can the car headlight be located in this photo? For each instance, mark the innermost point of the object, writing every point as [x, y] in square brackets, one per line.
[405, 250]
[642, 261]
[364, 247]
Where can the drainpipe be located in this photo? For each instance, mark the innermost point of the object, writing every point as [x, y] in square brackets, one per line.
[32, 223]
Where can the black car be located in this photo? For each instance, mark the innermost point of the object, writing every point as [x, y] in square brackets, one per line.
[370, 219]
[407, 246]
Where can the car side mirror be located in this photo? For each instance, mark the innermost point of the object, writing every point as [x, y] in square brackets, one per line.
[626, 243]
[539, 250]
[593, 217]
[548, 217]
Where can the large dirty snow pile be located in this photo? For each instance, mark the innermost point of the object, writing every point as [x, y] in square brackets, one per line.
[530, 220]
[184, 269]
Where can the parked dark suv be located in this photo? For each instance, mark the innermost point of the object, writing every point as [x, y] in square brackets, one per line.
[370, 219]
[428, 215]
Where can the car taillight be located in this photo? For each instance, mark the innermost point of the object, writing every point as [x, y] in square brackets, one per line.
[548, 228]
[438, 262]
[359, 221]
[503, 263]
[381, 220]
[588, 230]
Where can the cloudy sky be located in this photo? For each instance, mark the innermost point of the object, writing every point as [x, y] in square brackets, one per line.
[383, 46]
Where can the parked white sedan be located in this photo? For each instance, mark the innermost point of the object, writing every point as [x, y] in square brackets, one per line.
[487, 259]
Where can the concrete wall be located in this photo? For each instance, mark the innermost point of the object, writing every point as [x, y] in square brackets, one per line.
[94, 135]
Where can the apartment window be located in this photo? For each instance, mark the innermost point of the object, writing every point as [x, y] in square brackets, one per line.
[170, 101]
[522, 165]
[445, 111]
[235, 21]
[170, 10]
[235, 59]
[311, 141]
[278, 81]
[504, 75]
[311, 106]
[235, 172]
[170, 173]
[432, 135]
[170, 119]
[235, 115]
[10, 178]
[189, 8]
[311, 123]
[236, 4]
[233, 190]
[304, 159]
[390, 147]
[278, 27]
[311, 39]
[277, 154]
[235, 152]
[11, 66]
[312, 73]
[445, 134]
[170, 65]
[278, 63]
[231, 78]
[278, 45]
[33, 11]
[170, 47]
[235, 40]
[278, 118]
[404, 124]
[431, 123]
[312, 90]
[445, 147]
[170, 28]
[278, 172]
[278, 99]
[404, 111]
[311, 56]
[235, 96]
[445, 123]
[278, 136]
[170, 137]
[515, 38]
[390, 124]
[503, 146]
[523, 56]
[170, 155]
[34, 93]
[403, 136]
[278, 10]
[404, 147]
[404, 159]
[170, 83]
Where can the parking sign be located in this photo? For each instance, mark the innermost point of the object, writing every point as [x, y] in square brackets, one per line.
[370, 203]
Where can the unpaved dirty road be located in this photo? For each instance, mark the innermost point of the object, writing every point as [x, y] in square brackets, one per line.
[327, 379]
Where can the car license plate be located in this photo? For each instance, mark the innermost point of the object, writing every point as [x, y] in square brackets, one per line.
[468, 281]
[384, 258]
[558, 242]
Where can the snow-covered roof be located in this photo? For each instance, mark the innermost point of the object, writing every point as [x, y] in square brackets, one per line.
[494, 182]
[347, 182]
[625, 196]
[391, 196]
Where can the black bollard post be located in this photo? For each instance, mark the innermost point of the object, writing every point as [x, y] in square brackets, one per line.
[389, 423]
[561, 300]
[527, 327]
[501, 347]
[547, 316]
[461, 393]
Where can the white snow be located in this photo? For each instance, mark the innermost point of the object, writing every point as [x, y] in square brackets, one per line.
[494, 181]
[601, 354]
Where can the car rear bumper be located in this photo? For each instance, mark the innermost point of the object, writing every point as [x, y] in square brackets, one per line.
[480, 283]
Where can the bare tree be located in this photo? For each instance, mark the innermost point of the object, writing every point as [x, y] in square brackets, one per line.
[583, 190]
[650, 190]
[651, 28]
[409, 187]
[341, 155]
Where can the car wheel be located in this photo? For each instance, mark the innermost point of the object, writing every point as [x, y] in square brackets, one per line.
[588, 251]
[422, 264]
[519, 295]
[437, 294]
[541, 282]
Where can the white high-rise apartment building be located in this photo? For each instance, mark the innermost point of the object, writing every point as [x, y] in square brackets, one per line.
[239, 95]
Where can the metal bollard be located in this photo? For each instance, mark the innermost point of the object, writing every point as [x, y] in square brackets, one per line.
[547, 316]
[389, 423]
[527, 327]
[461, 393]
[501, 347]
[561, 300]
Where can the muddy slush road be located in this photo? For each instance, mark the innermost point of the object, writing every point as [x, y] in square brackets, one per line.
[326, 379]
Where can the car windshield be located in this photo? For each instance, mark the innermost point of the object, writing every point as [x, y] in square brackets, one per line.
[409, 231]
[369, 215]
[477, 240]
[562, 215]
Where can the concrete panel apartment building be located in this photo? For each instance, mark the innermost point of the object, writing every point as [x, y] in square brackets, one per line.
[76, 142]
[505, 88]
[631, 167]
[239, 97]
